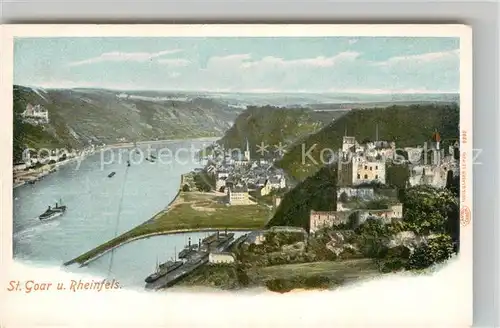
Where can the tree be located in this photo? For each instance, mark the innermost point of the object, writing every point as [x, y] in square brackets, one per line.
[343, 197]
[398, 175]
[438, 249]
[453, 183]
[18, 132]
[373, 235]
[318, 192]
[377, 204]
[185, 188]
[395, 259]
[428, 209]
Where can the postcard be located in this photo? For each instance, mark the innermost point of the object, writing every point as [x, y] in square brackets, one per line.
[237, 175]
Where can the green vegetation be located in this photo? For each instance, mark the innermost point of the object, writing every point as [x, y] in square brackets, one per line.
[277, 248]
[397, 175]
[189, 212]
[317, 275]
[429, 210]
[408, 126]
[272, 125]
[223, 276]
[437, 250]
[315, 193]
[79, 116]
[203, 181]
[27, 135]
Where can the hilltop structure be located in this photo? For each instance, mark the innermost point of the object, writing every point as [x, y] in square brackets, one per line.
[361, 170]
[434, 170]
[363, 163]
[35, 115]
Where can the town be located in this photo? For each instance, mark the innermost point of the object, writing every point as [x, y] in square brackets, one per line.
[361, 176]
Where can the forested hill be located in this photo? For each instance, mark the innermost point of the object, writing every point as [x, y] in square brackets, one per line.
[317, 192]
[272, 125]
[79, 116]
[406, 125]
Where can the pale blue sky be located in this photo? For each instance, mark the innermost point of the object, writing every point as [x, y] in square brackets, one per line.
[333, 64]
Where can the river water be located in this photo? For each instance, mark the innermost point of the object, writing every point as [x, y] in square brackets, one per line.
[99, 208]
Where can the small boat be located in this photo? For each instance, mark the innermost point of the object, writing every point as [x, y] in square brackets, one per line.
[111, 174]
[52, 213]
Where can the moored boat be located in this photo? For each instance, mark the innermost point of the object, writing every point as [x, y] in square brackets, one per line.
[162, 269]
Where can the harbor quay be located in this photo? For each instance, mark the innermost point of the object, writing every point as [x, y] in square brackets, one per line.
[194, 256]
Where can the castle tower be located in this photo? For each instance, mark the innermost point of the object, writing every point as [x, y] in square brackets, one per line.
[347, 143]
[247, 153]
[436, 149]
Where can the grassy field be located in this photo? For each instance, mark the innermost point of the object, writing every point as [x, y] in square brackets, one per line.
[191, 211]
[196, 210]
[283, 278]
[349, 268]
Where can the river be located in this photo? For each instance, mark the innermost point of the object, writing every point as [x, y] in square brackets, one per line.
[97, 212]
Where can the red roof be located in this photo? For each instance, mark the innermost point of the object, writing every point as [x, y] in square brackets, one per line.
[436, 137]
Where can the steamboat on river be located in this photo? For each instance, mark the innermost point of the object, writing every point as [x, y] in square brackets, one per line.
[53, 212]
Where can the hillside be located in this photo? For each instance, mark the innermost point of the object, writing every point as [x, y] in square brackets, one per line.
[406, 125]
[317, 192]
[78, 116]
[272, 125]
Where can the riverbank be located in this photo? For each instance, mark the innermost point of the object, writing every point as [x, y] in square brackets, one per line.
[20, 178]
[153, 142]
[188, 212]
[23, 177]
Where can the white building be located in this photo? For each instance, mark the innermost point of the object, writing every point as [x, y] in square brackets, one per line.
[220, 257]
[277, 183]
[238, 195]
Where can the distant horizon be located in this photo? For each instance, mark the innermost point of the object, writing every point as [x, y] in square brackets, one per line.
[294, 92]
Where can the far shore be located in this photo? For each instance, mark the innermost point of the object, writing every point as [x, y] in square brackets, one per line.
[50, 168]
[131, 144]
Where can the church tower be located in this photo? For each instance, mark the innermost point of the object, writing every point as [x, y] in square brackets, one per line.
[436, 148]
[247, 153]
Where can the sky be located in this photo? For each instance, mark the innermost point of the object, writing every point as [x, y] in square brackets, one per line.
[373, 65]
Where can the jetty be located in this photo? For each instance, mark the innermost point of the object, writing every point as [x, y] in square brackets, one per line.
[217, 242]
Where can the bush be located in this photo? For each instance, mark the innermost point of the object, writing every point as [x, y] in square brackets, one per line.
[317, 282]
[396, 258]
[279, 285]
[349, 253]
[428, 209]
[437, 250]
